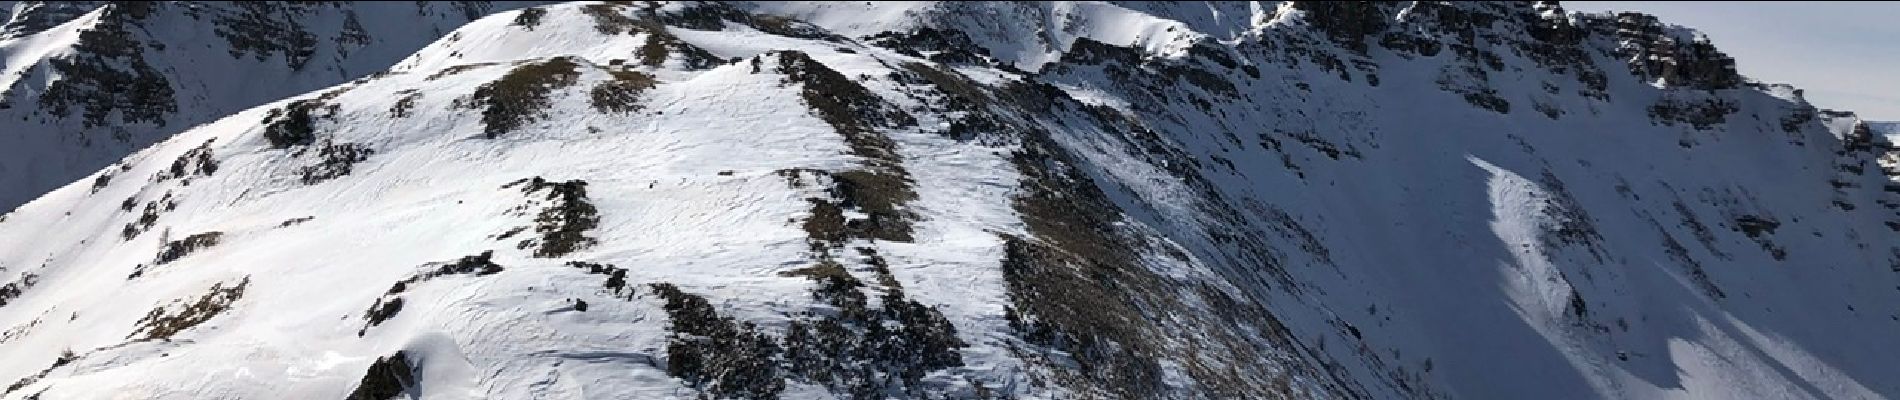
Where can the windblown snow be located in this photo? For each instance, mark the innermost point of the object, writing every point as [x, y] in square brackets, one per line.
[945, 200]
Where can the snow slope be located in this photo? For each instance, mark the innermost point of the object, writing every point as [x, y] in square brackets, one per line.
[83, 84]
[986, 200]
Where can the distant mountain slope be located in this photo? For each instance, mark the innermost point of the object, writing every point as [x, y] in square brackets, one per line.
[85, 83]
[1295, 200]
[1885, 128]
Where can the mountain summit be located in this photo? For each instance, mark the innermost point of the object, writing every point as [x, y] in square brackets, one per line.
[958, 200]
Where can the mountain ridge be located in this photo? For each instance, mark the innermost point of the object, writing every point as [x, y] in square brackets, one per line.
[1347, 200]
[86, 83]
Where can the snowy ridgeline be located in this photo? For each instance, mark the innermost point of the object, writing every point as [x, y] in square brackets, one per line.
[974, 200]
[83, 84]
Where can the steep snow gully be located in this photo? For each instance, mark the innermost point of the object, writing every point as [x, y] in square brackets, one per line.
[866, 200]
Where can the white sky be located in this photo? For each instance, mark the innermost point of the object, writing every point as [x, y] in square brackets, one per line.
[1845, 54]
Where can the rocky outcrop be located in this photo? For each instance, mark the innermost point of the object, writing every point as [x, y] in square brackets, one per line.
[1668, 54]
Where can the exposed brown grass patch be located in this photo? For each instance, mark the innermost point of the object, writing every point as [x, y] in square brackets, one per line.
[165, 321]
[622, 93]
[521, 96]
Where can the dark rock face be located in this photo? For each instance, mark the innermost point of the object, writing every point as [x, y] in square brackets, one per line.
[721, 357]
[859, 352]
[38, 16]
[858, 349]
[405, 104]
[882, 186]
[138, 93]
[616, 280]
[334, 160]
[198, 161]
[847, 106]
[295, 128]
[1078, 288]
[263, 30]
[943, 46]
[13, 290]
[178, 249]
[1570, 224]
[1700, 112]
[391, 303]
[1483, 46]
[530, 17]
[388, 378]
[1082, 301]
[1347, 22]
[565, 217]
[1478, 33]
[1655, 54]
[293, 125]
[855, 349]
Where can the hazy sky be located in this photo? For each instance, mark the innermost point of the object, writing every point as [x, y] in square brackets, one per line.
[1845, 54]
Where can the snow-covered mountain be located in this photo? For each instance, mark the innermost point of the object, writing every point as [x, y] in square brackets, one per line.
[1885, 128]
[985, 200]
[85, 83]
